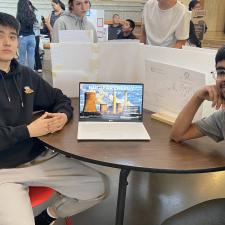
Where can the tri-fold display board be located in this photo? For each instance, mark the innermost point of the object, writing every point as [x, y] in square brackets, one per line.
[170, 76]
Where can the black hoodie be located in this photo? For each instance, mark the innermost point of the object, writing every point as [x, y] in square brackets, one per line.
[22, 91]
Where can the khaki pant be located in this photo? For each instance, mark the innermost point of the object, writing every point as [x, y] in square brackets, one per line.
[80, 187]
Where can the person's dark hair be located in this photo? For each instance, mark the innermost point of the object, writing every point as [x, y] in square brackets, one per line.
[192, 4]
[32, 6]
[132, 23]
[7, 20]
[70, 3]
[25, 13]
[193, 37]
[115, 15]
[220, 56]
[61, 4]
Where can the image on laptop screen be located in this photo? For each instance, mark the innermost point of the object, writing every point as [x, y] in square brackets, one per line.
[111, 102]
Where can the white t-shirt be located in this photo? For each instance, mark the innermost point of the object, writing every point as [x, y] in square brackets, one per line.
[165, 27]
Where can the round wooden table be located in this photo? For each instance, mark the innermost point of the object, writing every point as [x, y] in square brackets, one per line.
[159, 155]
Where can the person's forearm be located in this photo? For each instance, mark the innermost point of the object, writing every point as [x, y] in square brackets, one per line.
[185, 117]
[10, 136]
[50, 28]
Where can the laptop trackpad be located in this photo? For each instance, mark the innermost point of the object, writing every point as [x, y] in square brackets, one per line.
[112, 131]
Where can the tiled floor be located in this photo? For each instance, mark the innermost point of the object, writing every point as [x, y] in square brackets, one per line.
[153, 197]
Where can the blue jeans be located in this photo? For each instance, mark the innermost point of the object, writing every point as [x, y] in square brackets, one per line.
[27, 48]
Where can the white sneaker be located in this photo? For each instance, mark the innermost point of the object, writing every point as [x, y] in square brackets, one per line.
[39, 71]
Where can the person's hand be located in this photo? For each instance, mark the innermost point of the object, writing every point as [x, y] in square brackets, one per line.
[58, 121]
[47, 20]
[211, 93]
[121, 21]
[40, 126]
[47, 123]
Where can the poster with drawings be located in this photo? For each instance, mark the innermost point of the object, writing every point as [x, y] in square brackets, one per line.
[168, 87]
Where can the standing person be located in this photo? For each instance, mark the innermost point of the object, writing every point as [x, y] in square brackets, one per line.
[24, 160]
[196, 5]
[27, 43]
[74, 19]
[127, 30]
[165, 23]
[209, 212]
[37, 32]
[115, 28]
[193, 40]
[58, 8]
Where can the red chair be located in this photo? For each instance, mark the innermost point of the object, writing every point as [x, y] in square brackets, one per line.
[39, 195]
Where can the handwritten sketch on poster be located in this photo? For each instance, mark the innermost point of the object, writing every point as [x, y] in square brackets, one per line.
[198, 18]
[168, 87]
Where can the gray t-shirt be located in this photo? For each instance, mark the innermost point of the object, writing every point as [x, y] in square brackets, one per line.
[213, 126]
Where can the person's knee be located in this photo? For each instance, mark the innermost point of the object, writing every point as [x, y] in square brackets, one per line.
[106, 186]
[102, 188]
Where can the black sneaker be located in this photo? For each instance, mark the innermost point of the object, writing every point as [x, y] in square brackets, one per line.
[44, 219]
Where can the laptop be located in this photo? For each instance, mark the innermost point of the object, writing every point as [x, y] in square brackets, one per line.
[111, 111]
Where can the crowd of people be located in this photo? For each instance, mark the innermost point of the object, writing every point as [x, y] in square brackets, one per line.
[32, 25]
[164, 23]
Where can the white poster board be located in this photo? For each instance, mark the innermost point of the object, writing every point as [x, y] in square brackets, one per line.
[118, 62]
[96, 16]
[68, 81]
[198, 60]
[168, 88]
[74, 36]
[71, 56]
[194, 49]
[71, 63]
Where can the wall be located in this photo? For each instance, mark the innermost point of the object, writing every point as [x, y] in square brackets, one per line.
[215, 14]
[126, 8]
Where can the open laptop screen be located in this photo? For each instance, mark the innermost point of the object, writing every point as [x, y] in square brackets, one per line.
[111, 101]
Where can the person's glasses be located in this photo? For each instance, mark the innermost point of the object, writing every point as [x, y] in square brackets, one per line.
[218, 73]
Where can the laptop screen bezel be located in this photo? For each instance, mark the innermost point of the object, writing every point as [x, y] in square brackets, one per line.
[111, 120]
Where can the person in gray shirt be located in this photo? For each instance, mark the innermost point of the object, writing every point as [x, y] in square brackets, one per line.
[74, 19]
[115, 28]
[211, 212]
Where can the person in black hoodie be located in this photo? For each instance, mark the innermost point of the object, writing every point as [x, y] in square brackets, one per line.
[24, 160]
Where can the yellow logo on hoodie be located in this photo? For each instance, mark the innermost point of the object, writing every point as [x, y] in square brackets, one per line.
[28, 90]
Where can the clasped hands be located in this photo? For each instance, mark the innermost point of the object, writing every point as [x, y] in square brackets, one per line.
[47, 123]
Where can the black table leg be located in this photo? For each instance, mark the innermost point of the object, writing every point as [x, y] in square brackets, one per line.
[121, 196]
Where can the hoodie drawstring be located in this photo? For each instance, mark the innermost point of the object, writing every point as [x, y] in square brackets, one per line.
[5, 88]
[18, 91]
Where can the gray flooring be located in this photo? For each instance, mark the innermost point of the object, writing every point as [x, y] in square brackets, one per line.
[153, 197]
